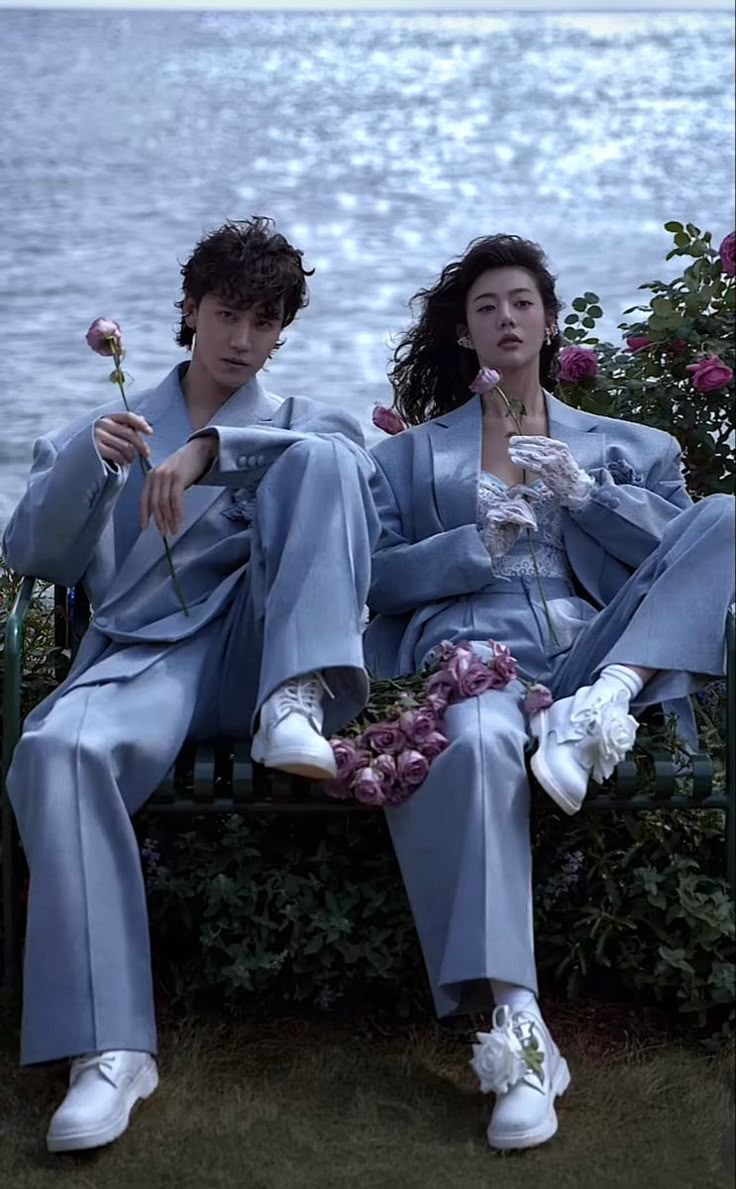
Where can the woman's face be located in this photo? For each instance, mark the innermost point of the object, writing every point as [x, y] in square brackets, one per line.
[506, 321]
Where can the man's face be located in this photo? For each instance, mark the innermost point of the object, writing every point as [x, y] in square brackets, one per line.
[231, 344]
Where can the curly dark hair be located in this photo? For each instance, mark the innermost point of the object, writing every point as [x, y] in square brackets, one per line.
[430, 372]
[247, 264]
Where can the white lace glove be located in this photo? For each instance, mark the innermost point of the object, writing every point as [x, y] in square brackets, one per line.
[504, 520]
[554, 463]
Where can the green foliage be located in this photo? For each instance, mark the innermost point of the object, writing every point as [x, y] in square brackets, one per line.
[685, 319]
[313, 910]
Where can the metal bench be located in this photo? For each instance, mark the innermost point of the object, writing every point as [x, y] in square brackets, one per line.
[219, 777]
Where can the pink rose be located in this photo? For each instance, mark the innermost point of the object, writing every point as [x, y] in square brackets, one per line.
[576, 363]
[385, 766]
[709, 374]
[476, 680]
[538, 697]
[727, 253]
[433, 745]
[677, 346]
[383, 737]
[440, 688]
[368, 787]
[486, 380]
[503, 662]
[638, 343]
[388, 419]
[412, 768]
[105, 337]
[438, 701]
[417, 724]
[347, 757]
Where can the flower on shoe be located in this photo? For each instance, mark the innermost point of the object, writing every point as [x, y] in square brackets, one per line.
[384, 737]
[388, 420]
[709, 374]
[486, 380]
[576, 363]
[498, 1059]
[727, 253]
[105, 337]
[615, 734]
[538, 697]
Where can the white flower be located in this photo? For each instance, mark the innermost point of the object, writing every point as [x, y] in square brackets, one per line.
[616, 732]
[498, 1058]
[607, 732]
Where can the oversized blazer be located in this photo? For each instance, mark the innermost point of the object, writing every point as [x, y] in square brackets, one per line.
[78, 521]
[429, 551]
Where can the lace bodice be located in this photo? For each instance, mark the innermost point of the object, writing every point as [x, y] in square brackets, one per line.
[510, 554]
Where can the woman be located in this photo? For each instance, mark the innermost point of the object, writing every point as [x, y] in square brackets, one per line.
[571, 539]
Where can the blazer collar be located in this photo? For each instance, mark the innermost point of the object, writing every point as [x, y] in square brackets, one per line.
[456, 439]
[166, 410]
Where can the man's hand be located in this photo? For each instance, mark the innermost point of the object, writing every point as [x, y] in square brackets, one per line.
[163, 492]
[118, 438]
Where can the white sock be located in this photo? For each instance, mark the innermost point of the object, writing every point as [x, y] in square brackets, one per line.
[617, 677]
[513, 997]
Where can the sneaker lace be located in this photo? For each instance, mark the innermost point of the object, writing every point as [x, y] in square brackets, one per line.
[303, 694]
[102, 1063]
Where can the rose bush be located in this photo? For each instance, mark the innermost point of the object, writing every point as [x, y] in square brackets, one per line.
[674, 368]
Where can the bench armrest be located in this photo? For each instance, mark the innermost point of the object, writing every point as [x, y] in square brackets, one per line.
[13, 665]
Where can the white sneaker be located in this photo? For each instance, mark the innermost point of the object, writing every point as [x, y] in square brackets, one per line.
[289, 735]
[587, 734]
[522, 1065]
[103, 1089]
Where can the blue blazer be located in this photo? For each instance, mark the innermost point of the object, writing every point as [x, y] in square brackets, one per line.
[78, 521]
[425, 490]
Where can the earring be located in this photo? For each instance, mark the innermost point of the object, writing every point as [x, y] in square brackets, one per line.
[464, 341]
[550, 334]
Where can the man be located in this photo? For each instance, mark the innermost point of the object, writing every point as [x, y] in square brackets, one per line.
[277, 522]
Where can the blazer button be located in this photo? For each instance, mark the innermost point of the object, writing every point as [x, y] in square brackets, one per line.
[252, 461]
[261, 460]
[242, 460]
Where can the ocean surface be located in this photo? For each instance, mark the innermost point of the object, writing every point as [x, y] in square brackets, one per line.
[382, 143]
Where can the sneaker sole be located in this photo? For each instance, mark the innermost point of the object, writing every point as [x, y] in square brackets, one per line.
[296, 763]
[140, 1088]
[546, 1129]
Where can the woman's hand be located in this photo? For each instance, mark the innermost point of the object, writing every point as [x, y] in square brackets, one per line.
[554, 463]
[163, 492]
[118, 438]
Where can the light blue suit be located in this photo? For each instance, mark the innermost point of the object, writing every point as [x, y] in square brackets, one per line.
[280, 526]
[641, 556]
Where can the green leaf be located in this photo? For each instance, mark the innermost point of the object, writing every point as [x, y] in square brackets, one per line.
[580, 305]
[595, 311]
[672, 226]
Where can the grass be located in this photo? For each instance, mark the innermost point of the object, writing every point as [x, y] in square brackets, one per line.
[298, 1104]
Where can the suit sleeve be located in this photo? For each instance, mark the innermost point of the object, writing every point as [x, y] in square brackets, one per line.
[245, 453]
[69, 499]
[406, 574]
[628, 519]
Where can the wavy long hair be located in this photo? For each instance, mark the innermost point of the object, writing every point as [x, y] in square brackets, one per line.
[430, 373]
[248, 264]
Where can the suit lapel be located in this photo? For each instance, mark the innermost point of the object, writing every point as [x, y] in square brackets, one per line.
[456, 441]
[167, 413]
[578, 431]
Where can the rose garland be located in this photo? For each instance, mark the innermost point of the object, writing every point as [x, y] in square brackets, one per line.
[385, 754]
